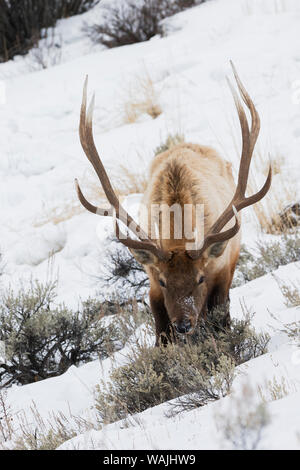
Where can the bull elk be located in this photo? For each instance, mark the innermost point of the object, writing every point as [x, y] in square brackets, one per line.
[185, 283]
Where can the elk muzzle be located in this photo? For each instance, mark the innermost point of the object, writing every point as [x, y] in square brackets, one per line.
[183, 326]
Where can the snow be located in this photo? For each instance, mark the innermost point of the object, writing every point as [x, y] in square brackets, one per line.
[188, 68]
[200, 429]
[42, 223]
[73, 393]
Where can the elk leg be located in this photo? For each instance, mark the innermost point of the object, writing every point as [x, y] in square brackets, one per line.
[164, 332]
[220, 297]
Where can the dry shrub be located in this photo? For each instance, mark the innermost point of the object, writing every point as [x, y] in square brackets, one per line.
[277, 164]
[154, 376]
[139, 97]
[292, 330]
[124, 273]
[274, 213]
[58, 214]
[127, 180]
[43, 339]
[129, 21]
[131, 315]
[6, 427]
[24, 22]
[291, 293]
[243, 424]
[171, 141]
[267, 257]
[202, 367]
[31, 431]
[124, 180]
[276, 390]
[47, 52]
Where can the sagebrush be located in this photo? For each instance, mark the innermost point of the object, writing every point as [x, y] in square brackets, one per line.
[124, 273]
[193, 372]
[267, 257]
[43, 339]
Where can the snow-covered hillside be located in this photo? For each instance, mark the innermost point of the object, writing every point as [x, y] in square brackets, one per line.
[73, 393]
[41, 153]
[44, 232]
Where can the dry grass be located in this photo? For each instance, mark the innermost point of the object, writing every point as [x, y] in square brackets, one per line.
[243, 421]
[125, 182]
[139, 97]
[171, 141]
[280, 195]
[275, 390]
[290, 292]
[32, 431]
[266, 257]
[130, 182]
[58, 214]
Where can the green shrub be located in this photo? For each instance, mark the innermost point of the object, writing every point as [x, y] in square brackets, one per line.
[202, 367]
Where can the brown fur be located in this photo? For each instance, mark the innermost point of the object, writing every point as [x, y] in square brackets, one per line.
[188, 174]
[185, 279]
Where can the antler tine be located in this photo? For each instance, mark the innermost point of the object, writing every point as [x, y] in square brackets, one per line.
[239, 200]
[255, 128]
[212, 237]
[90, 207]
[255, 124]
[246, 145]
[89, 147]
[140, 245]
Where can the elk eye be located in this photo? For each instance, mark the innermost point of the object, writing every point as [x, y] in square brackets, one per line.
[201, 279]
[162, 283]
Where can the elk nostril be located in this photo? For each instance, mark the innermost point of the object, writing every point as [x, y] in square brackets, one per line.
[183, 327]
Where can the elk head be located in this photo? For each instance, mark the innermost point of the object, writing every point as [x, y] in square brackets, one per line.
[182, 276]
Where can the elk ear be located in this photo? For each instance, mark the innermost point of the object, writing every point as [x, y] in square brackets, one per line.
[144, 256]
[217, 249]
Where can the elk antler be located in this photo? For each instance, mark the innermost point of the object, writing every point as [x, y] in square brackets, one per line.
[88, 145]
[239, 200]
